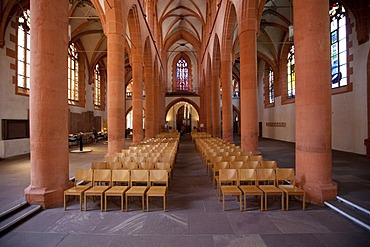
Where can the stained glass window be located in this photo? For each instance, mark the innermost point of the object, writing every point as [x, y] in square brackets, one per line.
[338, 41]
[23, 53]
[182, 82]
[291, 73]
[271, 86]
[97, 92]
[72, 74]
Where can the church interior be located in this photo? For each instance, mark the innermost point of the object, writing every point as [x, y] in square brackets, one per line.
[88, 86]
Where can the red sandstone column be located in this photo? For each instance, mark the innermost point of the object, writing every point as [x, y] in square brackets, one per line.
[149, 101]
[209, 124]
[313, 99]
[216, 116]
[48, 104]
[248, 78]
[116, 102]
[227, 107]
[137, 98]
[155, 102]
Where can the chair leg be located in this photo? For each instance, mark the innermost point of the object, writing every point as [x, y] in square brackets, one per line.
[126, 202]
[105, 202]
[287, 202]
[265, 201]
[143, 204]
[245, 202]
[223, 202]
[101, 202]
[240, 203]
[282, 201]
[122, 202]
[84, 201]
[261, 202]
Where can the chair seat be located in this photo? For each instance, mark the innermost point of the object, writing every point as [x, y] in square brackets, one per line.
[96, 190]
[250, 189]
[291, 189]
[156, 191]
[136, 191]
[77, 190]
[270, 189]
[116, 190]
[230, 190]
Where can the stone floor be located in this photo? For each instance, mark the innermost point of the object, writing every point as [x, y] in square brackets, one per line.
[194, 216]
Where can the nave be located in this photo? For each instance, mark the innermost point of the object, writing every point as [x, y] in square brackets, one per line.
[194, 216]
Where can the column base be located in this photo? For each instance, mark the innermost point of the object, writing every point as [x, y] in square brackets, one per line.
[47, 198]
[319, 193]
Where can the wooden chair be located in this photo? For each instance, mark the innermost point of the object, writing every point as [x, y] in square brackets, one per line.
[267, 183]
[252, 164]
[242, 158]
[290, 189]
[139, 182]
[215, 172]
[99, 165]
[114, 165]
[248, 185]
[228, 184]
[83, 180]
[111, 157]
[146, 166]
[130, 166]
[125, 159]
[158, 186]
[256, 157]
[138, 159]
[101, 176]
[268, 164]
[236, 164]
[120, 183]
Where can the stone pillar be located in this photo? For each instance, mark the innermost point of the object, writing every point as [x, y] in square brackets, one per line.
[149, 101]
[116, 91]
[208, 106]
[227, 106]
[248, 77]
[155, 105]
[216, 113]
[313, 100]
[137, 98]
[48, 104]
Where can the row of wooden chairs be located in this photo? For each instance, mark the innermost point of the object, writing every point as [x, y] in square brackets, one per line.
[259, 182]
[105, 183]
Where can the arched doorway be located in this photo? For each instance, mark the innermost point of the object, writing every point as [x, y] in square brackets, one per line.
[183, 119]
[182, 116]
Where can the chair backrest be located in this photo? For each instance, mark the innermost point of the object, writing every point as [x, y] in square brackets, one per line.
[228, 176]
[247, 176]
[130, 165]
[256, 157]
[266, 176]
[285, 174]
[85, 175]
[229, 158]
[124, 159]
[139, 176]
[252, 164]
[102, 175]
[242, 158]
[114, 165]
[138, 159]
[146, 166]
[111, 157]
[99, 165]
[151, 159]
[221, 165]
[234, 153]
[236, 164]
[158, 177]
[163, 166]
[121, 176]
[268, 164]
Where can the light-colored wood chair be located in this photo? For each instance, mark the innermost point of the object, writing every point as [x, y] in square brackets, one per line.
[82, 182]
[139, 183]
[114, 165]
[120, 184]
[130, 166]
[267, 183]
[158, 186]
[215, 172]
[101, 182]
[256, 157]
[111, 157]
[242, 158]
[228, 184]
[146, 166]
[264, 164]
[99, 165]
[248, 185]
[284, 176]
[236, 164]
[252, 164]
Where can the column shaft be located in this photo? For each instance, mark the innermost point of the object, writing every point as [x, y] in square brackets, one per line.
[313, 99]
[209, 106]
[216, 114]
[137, 101]
[227, 106]
[149, 102]
[48, 104]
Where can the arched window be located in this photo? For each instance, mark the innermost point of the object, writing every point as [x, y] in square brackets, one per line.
[271, 86]
[72, 74]
[291, 73]
[338, 41]
[23, 53]
[182, 82]
[97, 86]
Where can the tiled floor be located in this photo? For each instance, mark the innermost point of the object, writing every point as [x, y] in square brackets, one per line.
[194, 216]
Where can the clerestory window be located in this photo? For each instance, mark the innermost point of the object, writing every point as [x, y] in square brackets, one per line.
[72, 74]
[291, 73]
[23, 53]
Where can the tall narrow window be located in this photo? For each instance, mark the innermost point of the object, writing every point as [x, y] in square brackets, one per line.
[23, 52]
[291, 73]
[182, 75]
[97, 88]
[271, 86]
[72, 74]
[338, 40]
